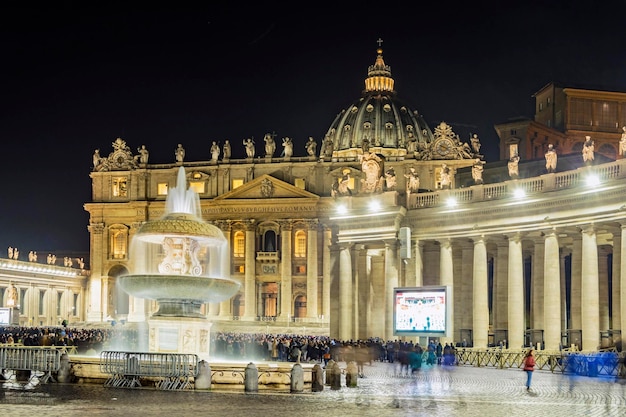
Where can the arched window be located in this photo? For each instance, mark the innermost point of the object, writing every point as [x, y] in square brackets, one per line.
[300, 244]
[299, 307]
[269, 241]
[239, 244]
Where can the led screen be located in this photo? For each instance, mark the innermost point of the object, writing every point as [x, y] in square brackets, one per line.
[421, 311]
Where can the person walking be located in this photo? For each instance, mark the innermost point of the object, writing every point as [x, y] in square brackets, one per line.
[529, 367]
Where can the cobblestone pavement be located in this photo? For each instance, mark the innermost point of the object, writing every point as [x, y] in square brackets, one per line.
[437, 390]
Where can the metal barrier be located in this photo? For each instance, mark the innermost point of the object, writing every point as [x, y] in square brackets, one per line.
[172, 371]
[603, 364]
[31, 358]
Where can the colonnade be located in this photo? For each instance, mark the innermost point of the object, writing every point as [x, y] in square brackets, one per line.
[559, 300]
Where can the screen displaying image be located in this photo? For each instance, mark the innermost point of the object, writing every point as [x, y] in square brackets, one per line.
[420, 310]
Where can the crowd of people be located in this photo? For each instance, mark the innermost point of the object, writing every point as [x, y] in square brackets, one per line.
[245, 346]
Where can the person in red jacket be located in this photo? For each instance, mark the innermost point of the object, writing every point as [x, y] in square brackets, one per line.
[529, 367]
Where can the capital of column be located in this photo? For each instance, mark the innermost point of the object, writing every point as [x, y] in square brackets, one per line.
[286, 225]
[249, 224]
[588, 229]
[312, 224]
[96, 228]
[136, 225]
[224, 225]
[445, 243]
[514, 237]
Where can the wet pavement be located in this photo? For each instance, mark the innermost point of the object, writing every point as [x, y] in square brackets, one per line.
[438, 390]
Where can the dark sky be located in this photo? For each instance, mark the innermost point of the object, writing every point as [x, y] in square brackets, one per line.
[74, 78]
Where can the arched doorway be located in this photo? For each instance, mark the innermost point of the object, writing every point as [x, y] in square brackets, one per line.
[118, 299]
[299, 307]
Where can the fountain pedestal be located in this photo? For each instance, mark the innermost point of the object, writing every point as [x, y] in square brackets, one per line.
[180, 335]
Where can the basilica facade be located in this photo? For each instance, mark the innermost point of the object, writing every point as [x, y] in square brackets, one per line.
[319, 237]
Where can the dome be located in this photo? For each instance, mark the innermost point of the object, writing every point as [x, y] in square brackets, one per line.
[378, 122]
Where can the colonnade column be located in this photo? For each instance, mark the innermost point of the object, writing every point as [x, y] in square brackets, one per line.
[446, 278]
[249, 312]
[391, 281]
[311, 271]
[345, 291]
[616, 288]
[480, 317]
[590, 290]
[536, 285]
[500, 289]
[551, 292]
[622, 282]
[515, 292]
[603, 287]
[576, 285]
[285, 276]
[419, 265]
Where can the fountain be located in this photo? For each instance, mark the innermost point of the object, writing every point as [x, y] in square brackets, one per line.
[181, 262]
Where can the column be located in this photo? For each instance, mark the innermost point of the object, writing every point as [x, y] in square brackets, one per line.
[622, 282]
[562, 254]
[378, 303]
[603, 286]
[391, 282]
[480, 317]
[286, 302]
[446, 278]
[515, 292]
[589, 290]
[551, 292]
[361, 303]
[225, 310]
[467, 287]
[326, 271]
[249, 312]
[500, 287]
[616, 288]
[536, 286]
[311, 271]
[345, 291]
[419, 265]
[576, 285]
[94, 307]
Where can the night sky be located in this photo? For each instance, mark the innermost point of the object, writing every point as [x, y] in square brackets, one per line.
[74, 78]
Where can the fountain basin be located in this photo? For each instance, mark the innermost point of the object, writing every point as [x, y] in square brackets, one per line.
[179, 295]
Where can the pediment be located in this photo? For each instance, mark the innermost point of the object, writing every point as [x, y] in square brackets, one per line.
[266, 186]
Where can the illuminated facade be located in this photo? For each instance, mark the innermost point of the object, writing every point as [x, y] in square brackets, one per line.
[316, 241]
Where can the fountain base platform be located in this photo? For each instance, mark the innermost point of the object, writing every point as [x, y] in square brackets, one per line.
[180, 335]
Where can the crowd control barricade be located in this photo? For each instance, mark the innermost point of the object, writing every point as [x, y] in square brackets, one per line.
[40, 361]
[168, 371]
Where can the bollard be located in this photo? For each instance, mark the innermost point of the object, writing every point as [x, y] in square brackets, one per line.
[329, 372]
[203, 379]
[335, 380]
[252, 378]
[64, 370]
[297, 378]
[317, 383]
[352, 374]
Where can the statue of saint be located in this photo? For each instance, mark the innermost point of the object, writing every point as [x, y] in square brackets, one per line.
[215, 151]
[11, 296]
[311, 146]
[143, 154]
[180, 153]
[588, 150]
[475, 144]
[270, 145]
[390, 179]
[287, 147]
[477, 171]
[551, 158]
[513, 165]
[249, 144]
[445, 179]
[227, 149]
[413, 181]
[622, 142]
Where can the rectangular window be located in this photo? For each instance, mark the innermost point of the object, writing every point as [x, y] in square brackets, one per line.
[300, 183]
[580, 112]
[237, 182]
[120, 187]
[162, 188]
[242, 269]
[197, 186]
[606, 116]
[239, 245]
